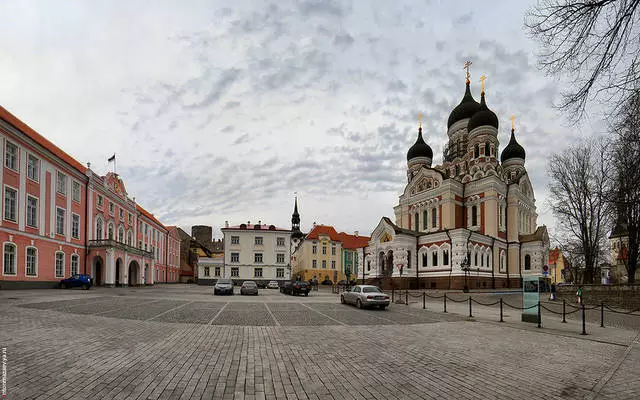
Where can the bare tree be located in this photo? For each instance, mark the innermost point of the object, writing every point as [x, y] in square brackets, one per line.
[625, 192]
[595, 42]
[579, 177]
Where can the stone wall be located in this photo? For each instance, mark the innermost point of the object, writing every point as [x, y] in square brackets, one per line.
[617, 296]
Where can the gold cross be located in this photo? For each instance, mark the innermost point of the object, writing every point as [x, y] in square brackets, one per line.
[466, 67]
[513, 122]
[420, 120]
[482, 79]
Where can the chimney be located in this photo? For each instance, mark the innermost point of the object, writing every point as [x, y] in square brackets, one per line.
[248, 222]
[259, 222]
[314, 224]
[226, 224]
[355, 233]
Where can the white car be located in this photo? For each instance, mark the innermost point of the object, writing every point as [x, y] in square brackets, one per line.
[273, 285]
[365, 296]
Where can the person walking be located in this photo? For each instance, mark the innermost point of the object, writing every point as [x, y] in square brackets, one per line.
[315, 283]
[579, 294]
[553, 292]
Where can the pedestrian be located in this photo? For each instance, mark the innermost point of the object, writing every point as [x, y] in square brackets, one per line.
[315, 283]
[553, 292]
[579, 294]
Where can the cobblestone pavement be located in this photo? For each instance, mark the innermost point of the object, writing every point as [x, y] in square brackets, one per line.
[179, 342]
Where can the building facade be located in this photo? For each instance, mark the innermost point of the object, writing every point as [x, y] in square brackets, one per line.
[470, 221]
[257, 252]
[211, 268]
[60, 218]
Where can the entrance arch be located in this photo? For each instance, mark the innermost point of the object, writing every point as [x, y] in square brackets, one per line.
[134, 273]
[97, 270]
[120, 276]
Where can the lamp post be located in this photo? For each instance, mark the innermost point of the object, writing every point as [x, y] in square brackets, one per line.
[465, 265]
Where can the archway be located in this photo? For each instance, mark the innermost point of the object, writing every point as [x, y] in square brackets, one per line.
[119, 273]
[381, 263]
[389, 264]
[134, 273]
[97, 271]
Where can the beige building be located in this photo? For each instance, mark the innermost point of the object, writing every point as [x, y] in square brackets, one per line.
[470, 221]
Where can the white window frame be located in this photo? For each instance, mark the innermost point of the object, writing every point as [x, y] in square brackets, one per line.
[11, 160]
[26, 262]
[33, 172]
[121, 237]
[75, 257]
[15, 204]
[280, 242]
[15, 259]
[234, 258]
[99, 236]
[324, 264]
[255, 272]
[121, 211]
[278, 256]
[333, 264]
[314, 264]
[235, 272]
[111, 233]
[75, 230]
[217, 271]
[279, 272]
[56, 264]
[75, 184]
[314, 249]
[112, 207]
[64, 218]
[258, 258]
[35, 224]
[235, 239]
[61, 189]
[259, 241]
[333, 250]
[99, 202]
[206, 271]
[129, 237]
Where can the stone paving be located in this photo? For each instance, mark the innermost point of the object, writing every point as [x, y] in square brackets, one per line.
[180, 342]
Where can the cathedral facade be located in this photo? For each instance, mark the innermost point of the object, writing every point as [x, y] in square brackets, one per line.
[469, 222]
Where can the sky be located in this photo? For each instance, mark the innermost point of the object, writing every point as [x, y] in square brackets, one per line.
[223, 110]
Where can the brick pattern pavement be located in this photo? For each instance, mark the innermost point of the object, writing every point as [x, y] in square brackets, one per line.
[144, 349]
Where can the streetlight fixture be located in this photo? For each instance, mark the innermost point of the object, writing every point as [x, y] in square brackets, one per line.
[465, 265]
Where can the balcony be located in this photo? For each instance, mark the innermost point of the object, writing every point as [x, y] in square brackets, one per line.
[104, 243]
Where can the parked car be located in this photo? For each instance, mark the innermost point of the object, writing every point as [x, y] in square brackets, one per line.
[298, 287]
[285, 287]
[223, 286]
[249, 287]
[76, 280]
[262, 284]
[342, 282]
[273, 285]
[327, 282]
[365, 296]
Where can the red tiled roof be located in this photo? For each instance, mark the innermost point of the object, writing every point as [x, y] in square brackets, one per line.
[323, 230]
[251, 227]
[41, 140]
[352, 241]
[149, 215]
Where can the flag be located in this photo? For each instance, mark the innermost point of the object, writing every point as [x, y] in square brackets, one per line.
[112, 158]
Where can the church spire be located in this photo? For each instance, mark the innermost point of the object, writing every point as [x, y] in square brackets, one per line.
[295, 220]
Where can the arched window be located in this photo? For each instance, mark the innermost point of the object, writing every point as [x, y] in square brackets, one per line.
[476, 151]
[129, 238]
[32, 261]
[527, 262]
[482, 260]
[434, 259]
[457, 170]
[474, 216]
[121, 235]
[417, 222]
[445, 257]
[425, 223]
[9, 261]
[475, 258]
[487, 147]
[75, 264]
[425, 259]
[99, 235]
[434, 218]
[110, 231]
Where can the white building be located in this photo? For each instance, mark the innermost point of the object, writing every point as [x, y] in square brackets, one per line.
[210, 269]
[257, 252]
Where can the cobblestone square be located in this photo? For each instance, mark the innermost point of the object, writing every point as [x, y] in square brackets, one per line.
[181, 342]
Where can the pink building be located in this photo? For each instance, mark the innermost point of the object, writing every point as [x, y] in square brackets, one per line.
[60, 218]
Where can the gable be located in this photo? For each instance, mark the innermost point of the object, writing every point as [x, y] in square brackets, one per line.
[425, 180]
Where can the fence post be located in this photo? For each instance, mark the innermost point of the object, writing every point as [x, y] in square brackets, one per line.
[470, 315]
[539, 316]
[602, 314]
[406, 297]
[584, 331]
[564, 304]
[445, 302]
[501, 320]
[424, 300]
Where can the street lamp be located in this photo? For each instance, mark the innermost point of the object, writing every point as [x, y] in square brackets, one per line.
[465, 265]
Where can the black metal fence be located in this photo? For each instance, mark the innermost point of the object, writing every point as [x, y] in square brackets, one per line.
[403, 296]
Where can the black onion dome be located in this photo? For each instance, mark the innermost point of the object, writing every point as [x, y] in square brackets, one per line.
[420, 148]
[467, 107]
[483, 117]
[513, 149]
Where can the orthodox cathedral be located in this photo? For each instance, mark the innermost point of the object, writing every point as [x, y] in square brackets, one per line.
[469, 222]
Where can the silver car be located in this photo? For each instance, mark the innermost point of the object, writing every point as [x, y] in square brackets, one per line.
[249, 287]
[365, 296]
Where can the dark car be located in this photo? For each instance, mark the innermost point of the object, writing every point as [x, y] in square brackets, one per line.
[284, 288]
[77, 280]
[223, 286]
[327, 282]
[298, 287]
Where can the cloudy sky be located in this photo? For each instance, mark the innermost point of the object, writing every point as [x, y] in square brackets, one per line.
[221, 110]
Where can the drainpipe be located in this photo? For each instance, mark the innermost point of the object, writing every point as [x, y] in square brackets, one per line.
[86, 224]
